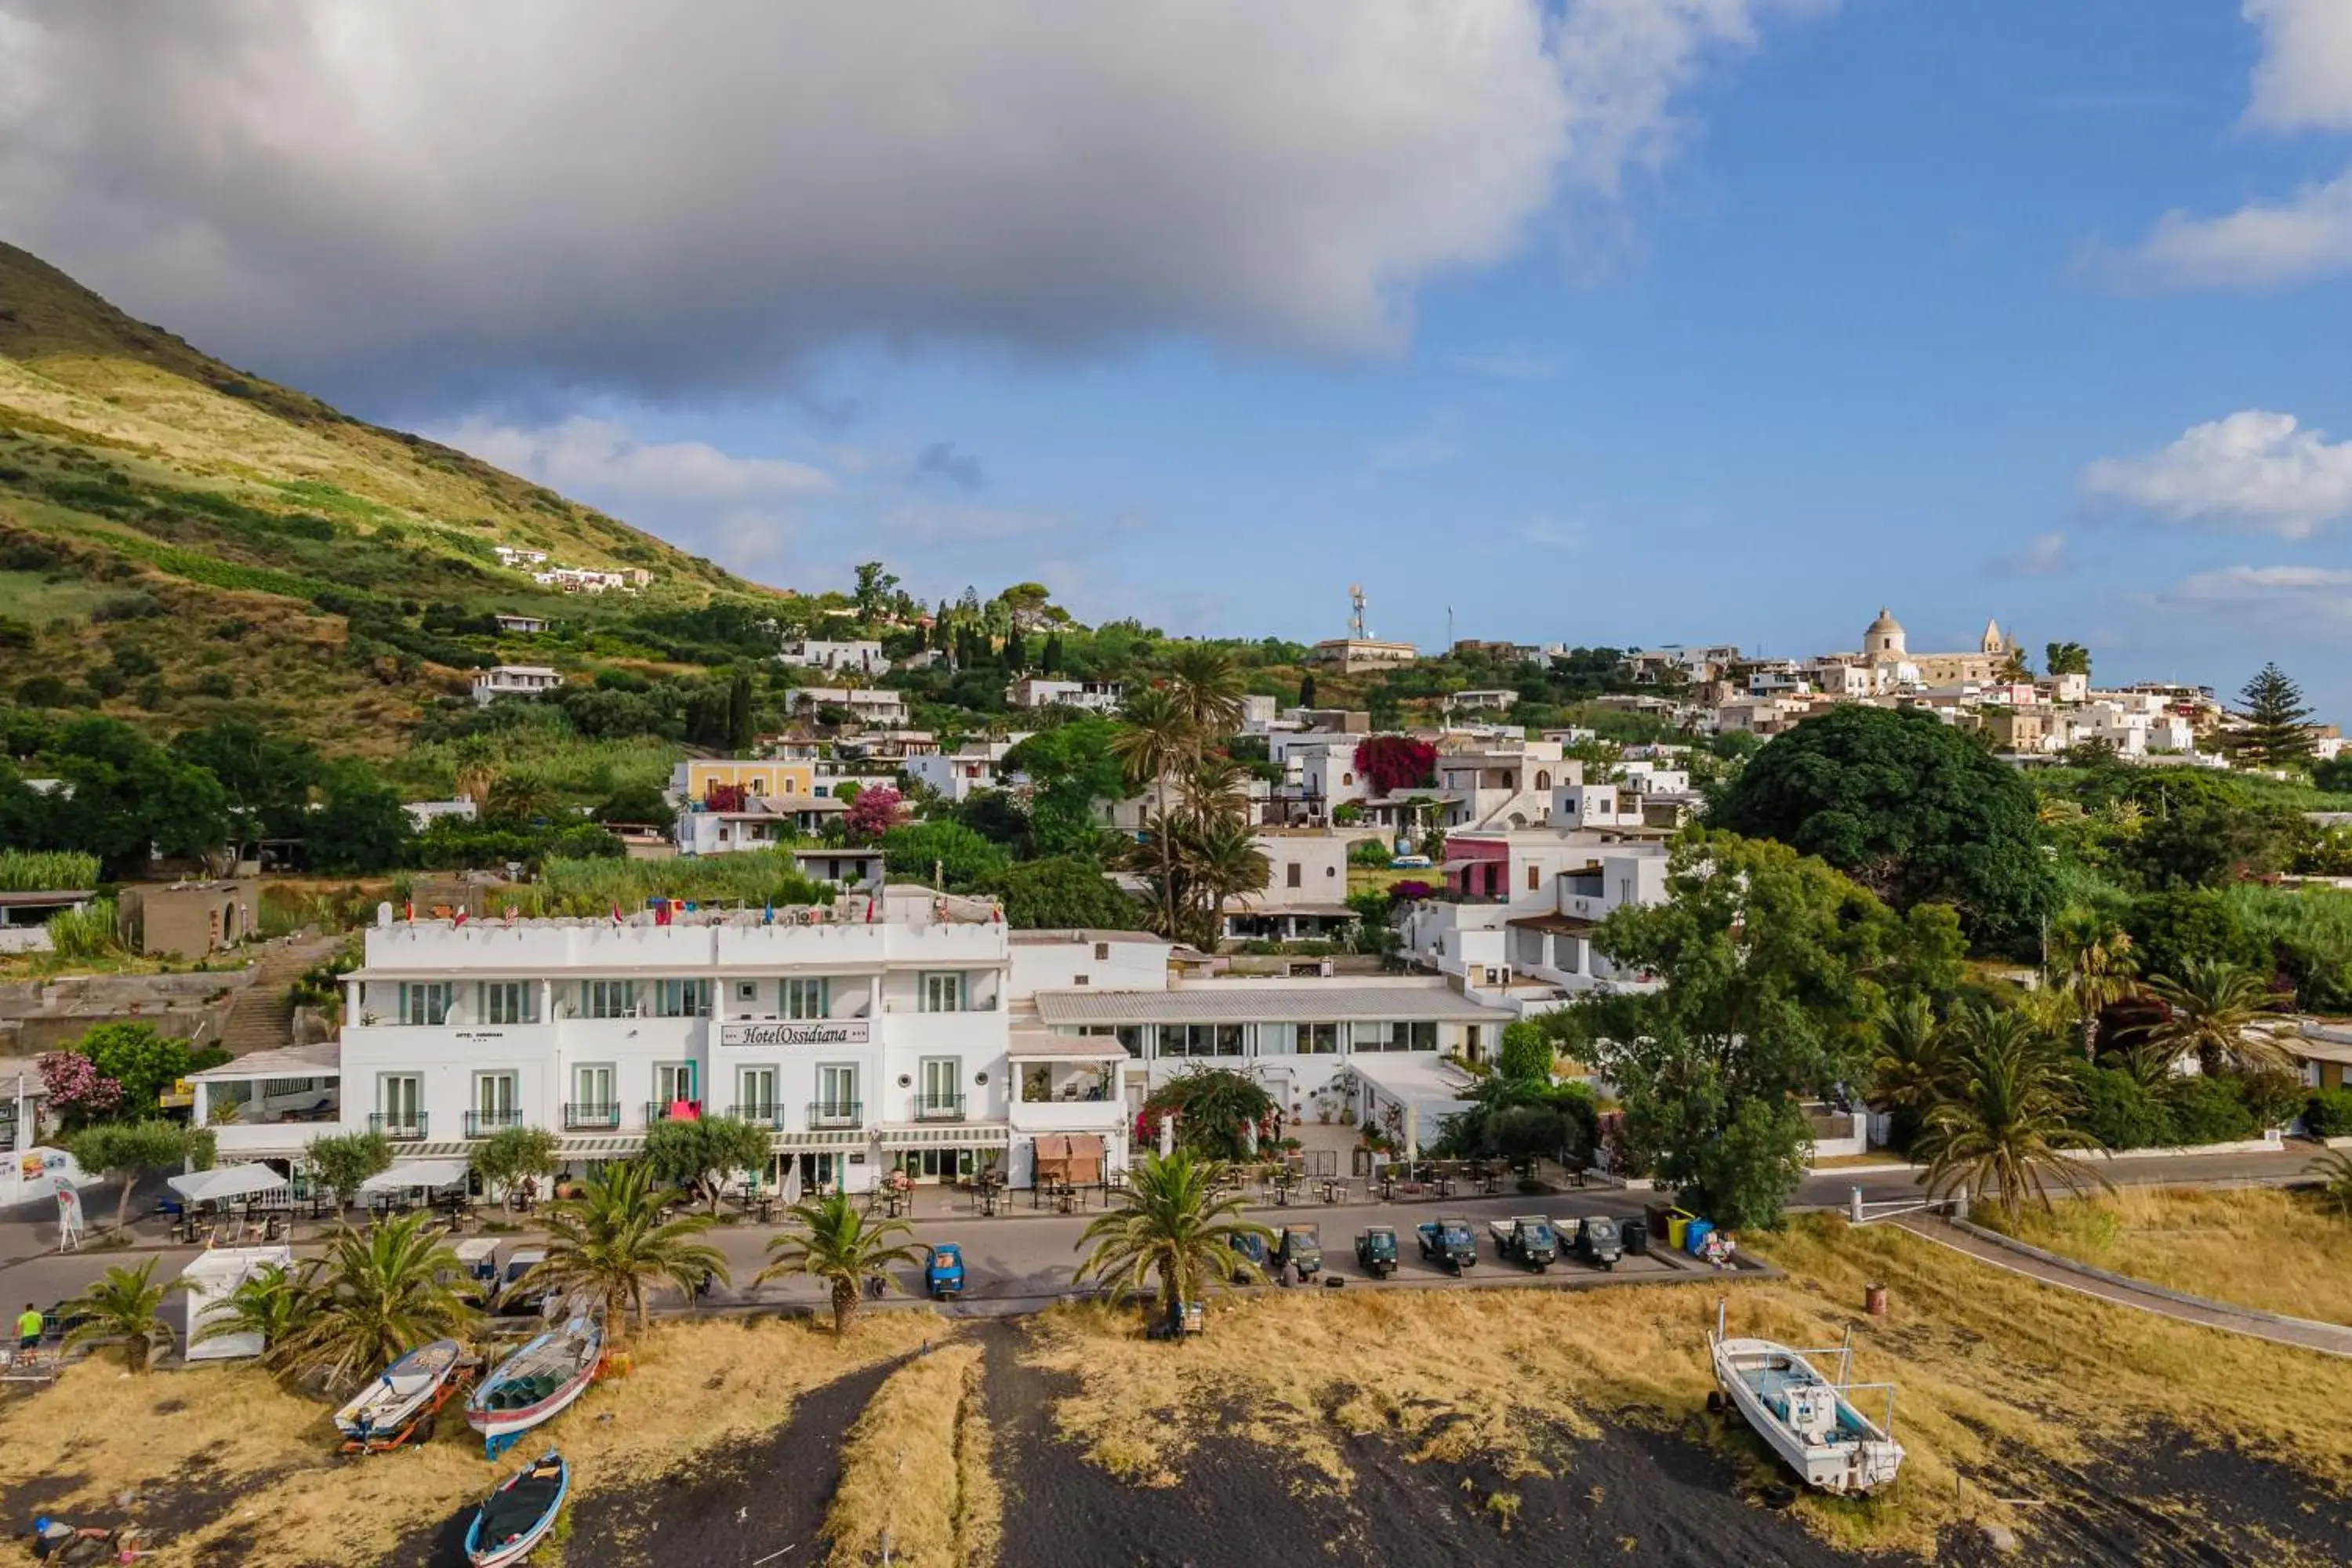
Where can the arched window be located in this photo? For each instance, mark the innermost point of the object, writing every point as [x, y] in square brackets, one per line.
[1347, 780]
[1543, 780]
[1510, 779]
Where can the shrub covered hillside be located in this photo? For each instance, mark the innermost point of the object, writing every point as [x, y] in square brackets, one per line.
[181, 542]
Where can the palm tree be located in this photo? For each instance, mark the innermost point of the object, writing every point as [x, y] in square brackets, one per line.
[611, 1243]
[2099, 971]
[1213, 788]
[1156, 739]
[2334, 1170]
[837, 1245]
[2215, 1009]
[274, 1303]
[1172, 1224]
[384, 1291]
[1209, 685]
[2002, 1123]
[121, 1309]
[1907, 1071]
[518, 799]
[1217, 860]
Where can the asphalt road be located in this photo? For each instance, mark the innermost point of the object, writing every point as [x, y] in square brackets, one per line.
[1021, 1256]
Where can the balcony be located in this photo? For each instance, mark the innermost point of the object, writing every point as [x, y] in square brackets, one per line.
[939, 1108]
[836, 1113]
[768, 1114]
[399, 1127]
[672, 1110]
[482, 1123]
[590, 1116]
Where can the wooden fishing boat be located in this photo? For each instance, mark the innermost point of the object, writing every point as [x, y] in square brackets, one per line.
[515, 1518]
[1809, 1420]
[382, 1414]
[536, 1383]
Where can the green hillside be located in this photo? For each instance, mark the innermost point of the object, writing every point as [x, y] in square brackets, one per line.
[181, 542]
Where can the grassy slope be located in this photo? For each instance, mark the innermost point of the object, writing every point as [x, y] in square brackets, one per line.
[2272, 1250]
[119, 445]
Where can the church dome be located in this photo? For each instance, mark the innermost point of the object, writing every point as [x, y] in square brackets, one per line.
[1885, 622]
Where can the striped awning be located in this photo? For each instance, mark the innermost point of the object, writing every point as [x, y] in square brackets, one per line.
[946, 1137]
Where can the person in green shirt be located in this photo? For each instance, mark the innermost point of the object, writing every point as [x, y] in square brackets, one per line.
[28, 1327]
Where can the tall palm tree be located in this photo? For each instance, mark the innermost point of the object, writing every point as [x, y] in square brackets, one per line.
[121, 1309]
[2097, 970]
[2002, 1123]
[2334, 1170]
[611, 1243]
[274, 1303]
[519, 799]
[1172, 1226]
[1213, 788]
[2216, 1009]
[381, 1292]
[1908, 1070]
[1157, 739]
[839, 1244]
[1209, 685]
[1217, 860]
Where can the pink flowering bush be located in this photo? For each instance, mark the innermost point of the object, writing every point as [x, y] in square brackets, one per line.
[877, 809]
[78, 1092]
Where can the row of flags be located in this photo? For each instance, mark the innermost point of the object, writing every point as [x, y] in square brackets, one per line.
[667, 909]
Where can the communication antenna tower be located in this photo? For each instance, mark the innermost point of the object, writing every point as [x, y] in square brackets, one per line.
[1356, 620]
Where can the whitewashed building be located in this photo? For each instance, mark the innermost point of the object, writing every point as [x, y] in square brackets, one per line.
[513, 680]
[815, 653]
[1093, 696]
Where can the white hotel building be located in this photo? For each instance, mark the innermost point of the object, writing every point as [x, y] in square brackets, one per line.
[931, 1039]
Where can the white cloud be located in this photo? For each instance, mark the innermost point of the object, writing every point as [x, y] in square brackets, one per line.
[2305, 598]
[599, 460]
[2304, 80]
[605, 193]
[2044, 556]
[2263, 245]
[2255, 472]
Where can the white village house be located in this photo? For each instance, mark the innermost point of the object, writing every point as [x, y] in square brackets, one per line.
[513, 680]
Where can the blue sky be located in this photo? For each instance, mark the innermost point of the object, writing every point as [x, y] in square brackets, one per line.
[1621, 322]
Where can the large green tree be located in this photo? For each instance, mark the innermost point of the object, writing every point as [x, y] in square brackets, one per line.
[1071, 769]
[1063, 892]
[1909, 807]
[1776, 973]
[123, 1151]
[2277, 732]
[698, 1154]
[144, 1062]
[359, 823]
[959, 858]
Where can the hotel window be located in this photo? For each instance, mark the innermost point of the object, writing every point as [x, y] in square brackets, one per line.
[674, 1082]
[1200, 1040]
[1318, 1039]
[510, 1002]
[682, 998]
[608, 998]
[941, 1076]
[495, 1104]
[592, 1089]
[1290, 874]
[755, 1093]
[1534, 879]
[943, 991]
[808, 998]
[400, 1100]
[427, 1004]
[1397, 1037]
[836, 1092]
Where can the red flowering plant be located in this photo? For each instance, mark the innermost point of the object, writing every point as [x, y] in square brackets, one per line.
[877, 809]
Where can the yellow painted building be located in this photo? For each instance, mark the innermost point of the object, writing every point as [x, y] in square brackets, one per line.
[759, 779]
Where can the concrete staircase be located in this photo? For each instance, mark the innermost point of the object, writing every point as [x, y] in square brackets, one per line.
[262, 1019]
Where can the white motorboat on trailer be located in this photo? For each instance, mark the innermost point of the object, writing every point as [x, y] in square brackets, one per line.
[1810, 1421]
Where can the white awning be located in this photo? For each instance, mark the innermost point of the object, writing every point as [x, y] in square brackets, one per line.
[407, 1174]
[223, 1181]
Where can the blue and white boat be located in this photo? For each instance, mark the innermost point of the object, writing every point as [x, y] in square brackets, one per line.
[1809, 1420]
[400, 1393]
[518, 1516]
[536, 1383]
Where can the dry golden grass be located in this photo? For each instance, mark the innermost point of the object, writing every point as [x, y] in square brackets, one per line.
[693, 1385]
[916, 1467]
[2257, 1247]
[2006, 1388]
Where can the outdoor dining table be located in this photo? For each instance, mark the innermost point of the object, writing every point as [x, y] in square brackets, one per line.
[1333, 1190]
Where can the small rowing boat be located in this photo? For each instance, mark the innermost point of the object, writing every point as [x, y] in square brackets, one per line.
[403, 1392]
[536, 1383]
[515, 1518]
[1809, 1420]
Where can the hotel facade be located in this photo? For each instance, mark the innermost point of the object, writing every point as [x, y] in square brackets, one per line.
[928, 1038]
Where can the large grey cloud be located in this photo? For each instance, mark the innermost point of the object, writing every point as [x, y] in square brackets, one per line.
[682, 199]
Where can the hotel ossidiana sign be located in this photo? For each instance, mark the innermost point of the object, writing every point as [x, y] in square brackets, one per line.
[819, 1032]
